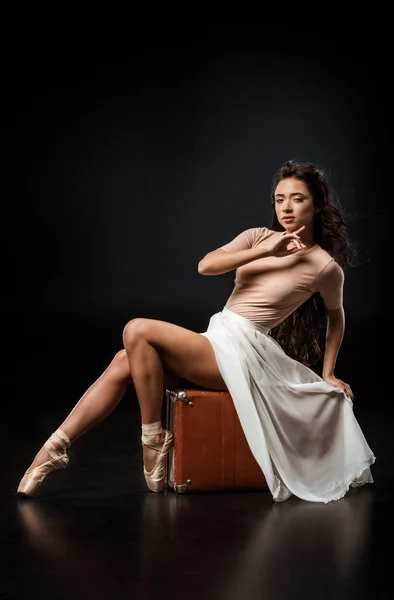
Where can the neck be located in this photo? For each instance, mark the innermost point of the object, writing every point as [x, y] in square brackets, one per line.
[307, 238]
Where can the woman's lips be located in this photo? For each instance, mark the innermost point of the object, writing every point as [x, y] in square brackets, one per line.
[288, 218]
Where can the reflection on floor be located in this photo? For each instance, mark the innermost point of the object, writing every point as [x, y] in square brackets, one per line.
[94, 530]
[188, 546]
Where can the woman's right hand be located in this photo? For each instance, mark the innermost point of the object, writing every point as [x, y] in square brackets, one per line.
[284, 245]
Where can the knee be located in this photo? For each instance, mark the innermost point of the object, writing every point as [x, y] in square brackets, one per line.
[119, 358]
[135, 331]
[119, 367]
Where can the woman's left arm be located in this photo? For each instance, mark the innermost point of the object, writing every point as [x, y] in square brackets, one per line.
[334, 337]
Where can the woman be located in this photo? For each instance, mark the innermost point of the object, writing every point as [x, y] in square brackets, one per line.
[288, 288]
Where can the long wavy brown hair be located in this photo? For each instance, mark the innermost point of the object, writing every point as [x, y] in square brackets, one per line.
[301, 334]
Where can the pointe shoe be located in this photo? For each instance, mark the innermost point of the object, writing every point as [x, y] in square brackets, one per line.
[59, 460]
[156, 478]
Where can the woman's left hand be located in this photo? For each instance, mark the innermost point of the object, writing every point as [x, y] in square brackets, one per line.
[341, 384]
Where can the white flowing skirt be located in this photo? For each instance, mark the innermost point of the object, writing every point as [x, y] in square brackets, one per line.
[301, 430]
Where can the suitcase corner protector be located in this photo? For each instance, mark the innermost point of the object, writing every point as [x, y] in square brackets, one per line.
[180, 489]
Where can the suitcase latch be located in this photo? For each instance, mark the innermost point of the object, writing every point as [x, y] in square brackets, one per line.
[181, 395]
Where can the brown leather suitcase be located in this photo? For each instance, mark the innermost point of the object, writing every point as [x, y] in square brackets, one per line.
[210, 451]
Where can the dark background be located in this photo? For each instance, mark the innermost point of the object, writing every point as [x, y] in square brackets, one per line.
[130, 150]
[128, 166]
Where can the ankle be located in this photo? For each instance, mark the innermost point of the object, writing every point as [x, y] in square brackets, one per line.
[151, 433]
[155, 441]
[55, 448]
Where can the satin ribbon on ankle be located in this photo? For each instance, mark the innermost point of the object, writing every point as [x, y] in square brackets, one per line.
[149, 431]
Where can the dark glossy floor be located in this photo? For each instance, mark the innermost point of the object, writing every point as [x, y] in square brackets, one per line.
[95, 531]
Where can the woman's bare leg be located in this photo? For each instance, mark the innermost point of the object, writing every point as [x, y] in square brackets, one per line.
[155, 353]
[153, 345]
[148, 377]
[100, 399]
[98, 402]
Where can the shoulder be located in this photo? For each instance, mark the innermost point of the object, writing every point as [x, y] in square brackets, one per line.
[258, 231]
[327, 267]
[329, 281]
[248, 238]
[261, 233]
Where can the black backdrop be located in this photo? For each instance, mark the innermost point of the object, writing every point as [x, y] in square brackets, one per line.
[126, 169]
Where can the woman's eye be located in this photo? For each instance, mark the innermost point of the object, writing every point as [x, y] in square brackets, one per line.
[279, 200]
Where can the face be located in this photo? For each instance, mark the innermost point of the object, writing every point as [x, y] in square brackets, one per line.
[294, 205]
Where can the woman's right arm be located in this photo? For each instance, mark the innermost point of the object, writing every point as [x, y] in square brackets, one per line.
[221, 261]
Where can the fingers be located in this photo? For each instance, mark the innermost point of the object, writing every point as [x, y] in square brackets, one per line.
[291, 236]
[300, 245]
[296, 240]
[296, 237]
[348, 391]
